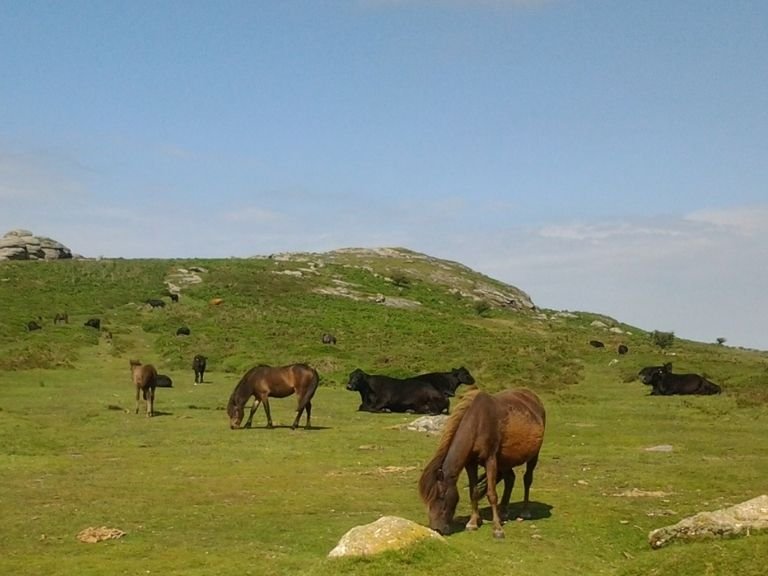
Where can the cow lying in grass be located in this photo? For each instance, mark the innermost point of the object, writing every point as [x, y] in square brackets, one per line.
[386, 394]
[665, 383]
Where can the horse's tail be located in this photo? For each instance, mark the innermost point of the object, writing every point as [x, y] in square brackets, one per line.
[430, 475]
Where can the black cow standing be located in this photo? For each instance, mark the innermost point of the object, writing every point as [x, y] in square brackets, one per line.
[174, 297]
[198, 365]
[329, 339]
[665, 383]
[447, 382]
[622, 349]
[386, 394]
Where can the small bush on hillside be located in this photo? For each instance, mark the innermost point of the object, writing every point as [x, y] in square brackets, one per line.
[400, 280]
[662, 339]
[482, 308]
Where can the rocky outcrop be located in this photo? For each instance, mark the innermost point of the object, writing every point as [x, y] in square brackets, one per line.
[386, 533]
[739, 520]
[23, 245]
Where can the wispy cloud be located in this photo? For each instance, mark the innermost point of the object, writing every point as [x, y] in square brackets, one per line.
[748, 221]
[37, 175]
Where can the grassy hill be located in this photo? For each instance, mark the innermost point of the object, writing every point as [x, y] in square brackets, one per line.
[197, 498]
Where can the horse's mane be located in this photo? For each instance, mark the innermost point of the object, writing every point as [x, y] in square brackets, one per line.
[428, 480]
[237, 397]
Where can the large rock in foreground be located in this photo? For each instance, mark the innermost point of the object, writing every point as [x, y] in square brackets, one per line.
[23, 245]
[739, 520]
[386, 533]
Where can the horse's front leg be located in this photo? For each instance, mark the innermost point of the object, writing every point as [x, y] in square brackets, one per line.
[256, 403]
[493, 498]
[474, 520]
[150, 402]
[138, 391]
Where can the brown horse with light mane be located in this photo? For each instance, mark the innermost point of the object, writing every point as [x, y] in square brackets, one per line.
[263, 381]
[499, 432]
[144, 380]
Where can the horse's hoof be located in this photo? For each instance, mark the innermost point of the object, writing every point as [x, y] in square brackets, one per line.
[498, 534]
[471, 527]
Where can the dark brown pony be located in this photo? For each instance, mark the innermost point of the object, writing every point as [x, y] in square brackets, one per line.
[263, 381]
[498, 432]
[145, 380]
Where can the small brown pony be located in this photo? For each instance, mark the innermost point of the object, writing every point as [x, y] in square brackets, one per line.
[498, 432]
[144, 380]
[263, 381]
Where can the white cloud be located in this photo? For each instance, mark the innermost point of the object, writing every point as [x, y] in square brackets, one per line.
[749, 221]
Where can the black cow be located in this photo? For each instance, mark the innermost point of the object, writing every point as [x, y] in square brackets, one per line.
[32, 325]
[156, 303]
[665, 383]
[198, 365]
[447, 382]
[622, 349]
[329, 339]
[183, 331]
[596, 344]
[93, 323]
[174, 297]
[163, 381]
[386, 394]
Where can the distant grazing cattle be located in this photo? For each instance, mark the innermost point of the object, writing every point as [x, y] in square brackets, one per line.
[622, 349]
[198, 365]
[596, 344]
[665, 383]
[93, 323]
[183, 331]
[386, 394]
[174, 297]
[447, 382]
[156, 303]
[329, 339]
[32, 325]
[61, 317]
[164, 381]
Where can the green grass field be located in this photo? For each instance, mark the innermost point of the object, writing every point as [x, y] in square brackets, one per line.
[195, 497]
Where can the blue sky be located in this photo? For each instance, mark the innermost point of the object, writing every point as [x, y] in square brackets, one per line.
[601, 155]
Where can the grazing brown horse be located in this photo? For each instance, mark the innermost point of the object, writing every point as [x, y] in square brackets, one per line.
[263, 381]
[499, 432]
[144, 380]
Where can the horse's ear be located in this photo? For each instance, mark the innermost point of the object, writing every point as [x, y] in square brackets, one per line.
[440, 475]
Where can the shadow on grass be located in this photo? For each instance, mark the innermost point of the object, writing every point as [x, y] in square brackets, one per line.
[286, 426]
[538, 510]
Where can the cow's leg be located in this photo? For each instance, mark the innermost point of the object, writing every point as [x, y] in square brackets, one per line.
[525, 513]
[256, 403]
[475, 521]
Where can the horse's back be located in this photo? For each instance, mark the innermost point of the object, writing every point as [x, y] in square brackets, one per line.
[282, 381]
[523, 420]
[144, 375]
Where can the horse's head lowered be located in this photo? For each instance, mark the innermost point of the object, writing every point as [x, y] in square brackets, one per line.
[441, 500]
[235, 413]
